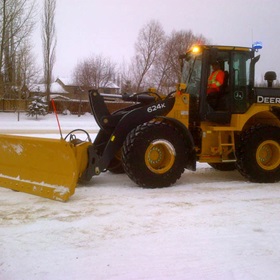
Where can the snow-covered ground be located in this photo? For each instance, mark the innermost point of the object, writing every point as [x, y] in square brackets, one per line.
[45, 125]
[210, 225]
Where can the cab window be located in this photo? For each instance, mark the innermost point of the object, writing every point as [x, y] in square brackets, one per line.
[241, 68]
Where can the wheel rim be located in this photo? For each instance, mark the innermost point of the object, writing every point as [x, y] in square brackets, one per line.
[268, 155]
[160, 156]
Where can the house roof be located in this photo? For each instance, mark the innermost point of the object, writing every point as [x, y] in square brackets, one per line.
[70, 82]
[110, 85]
[55, 88]
[67, 81]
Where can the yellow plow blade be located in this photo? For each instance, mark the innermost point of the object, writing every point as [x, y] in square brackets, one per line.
[40, 166]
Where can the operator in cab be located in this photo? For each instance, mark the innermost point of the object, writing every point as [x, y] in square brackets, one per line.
[215, 81]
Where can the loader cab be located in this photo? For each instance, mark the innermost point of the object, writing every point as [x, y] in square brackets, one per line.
[235, 95]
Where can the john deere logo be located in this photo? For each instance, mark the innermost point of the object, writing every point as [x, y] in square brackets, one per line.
[268, 100]
[238, 95]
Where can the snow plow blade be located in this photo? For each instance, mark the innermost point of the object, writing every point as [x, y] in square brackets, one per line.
[44, 167]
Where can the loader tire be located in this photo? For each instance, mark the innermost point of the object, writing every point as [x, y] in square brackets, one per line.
[226, 166]
[258, 154]
[154, 155]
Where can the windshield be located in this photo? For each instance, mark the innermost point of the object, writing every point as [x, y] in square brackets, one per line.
[191, 73]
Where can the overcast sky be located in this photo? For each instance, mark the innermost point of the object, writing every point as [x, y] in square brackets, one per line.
[110, 27]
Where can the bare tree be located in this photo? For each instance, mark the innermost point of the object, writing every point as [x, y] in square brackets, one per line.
[96, 71]
[125, 77]
[16, 25]
[49, 42]
[150, 40]
[27, 69]
[166, 72]
[156, 61]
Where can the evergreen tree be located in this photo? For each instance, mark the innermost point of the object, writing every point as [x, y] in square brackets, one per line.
[37, 107]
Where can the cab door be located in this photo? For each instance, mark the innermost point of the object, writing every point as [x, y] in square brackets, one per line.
[221, 112]
[240, 82]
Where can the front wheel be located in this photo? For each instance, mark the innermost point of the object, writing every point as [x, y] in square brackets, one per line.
[258, 155]
[154, 155]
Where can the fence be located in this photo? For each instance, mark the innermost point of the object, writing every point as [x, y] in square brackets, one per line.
[13, 105]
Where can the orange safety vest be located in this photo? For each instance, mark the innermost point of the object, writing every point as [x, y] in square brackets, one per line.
[215, 80]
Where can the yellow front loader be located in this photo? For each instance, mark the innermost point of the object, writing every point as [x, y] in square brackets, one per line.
[154, 140]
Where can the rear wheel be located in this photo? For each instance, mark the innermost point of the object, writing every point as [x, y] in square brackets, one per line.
[154, 155]
[258, 155]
